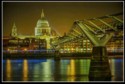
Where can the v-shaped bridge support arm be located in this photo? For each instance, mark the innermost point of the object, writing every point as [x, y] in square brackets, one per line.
[92, 37]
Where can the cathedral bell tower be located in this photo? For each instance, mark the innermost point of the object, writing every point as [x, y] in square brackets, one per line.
[14, 31]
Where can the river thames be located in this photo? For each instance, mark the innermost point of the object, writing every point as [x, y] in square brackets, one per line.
[49, 69]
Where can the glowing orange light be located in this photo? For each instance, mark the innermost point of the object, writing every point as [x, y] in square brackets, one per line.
[25, 70]
[25, 49]
[8, 49]
[71, 70]
[72, 49]
[72, 64]
[8, 70]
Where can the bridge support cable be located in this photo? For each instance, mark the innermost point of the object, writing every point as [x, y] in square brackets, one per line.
[93, 38]
[77, 31]
[66, 39]
[99, 28]
[114, 28]
[71, 36]
[117, 19]
[74, 34]
[90, 29]
[90, 35]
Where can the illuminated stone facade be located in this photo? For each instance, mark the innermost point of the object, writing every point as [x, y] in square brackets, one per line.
[14, 31]
[82, 45]
[42, 27]
[43, 30]
[43, 35]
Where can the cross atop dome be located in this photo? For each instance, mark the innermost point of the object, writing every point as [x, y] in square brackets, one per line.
[42, 14]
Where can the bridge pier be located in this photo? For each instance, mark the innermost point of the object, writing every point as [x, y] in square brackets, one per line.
[99, 66]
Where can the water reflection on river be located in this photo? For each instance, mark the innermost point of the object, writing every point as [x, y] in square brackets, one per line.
[55, 70]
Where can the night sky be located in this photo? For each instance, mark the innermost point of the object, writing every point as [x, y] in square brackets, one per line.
[60, 15]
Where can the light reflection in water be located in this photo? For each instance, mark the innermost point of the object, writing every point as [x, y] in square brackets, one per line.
[64, 66]
[25, 70]
[71, 70]
[85, 65]
[47, 70]
[36, 72]
[43, 71]
[66, 70]
[8, 69]
[116, 67]
[82, 69]
[112, 66]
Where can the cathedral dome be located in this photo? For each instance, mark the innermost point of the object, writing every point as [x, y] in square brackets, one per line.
[42, 22]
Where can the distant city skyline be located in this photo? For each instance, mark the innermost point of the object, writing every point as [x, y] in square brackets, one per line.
[60, 15]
